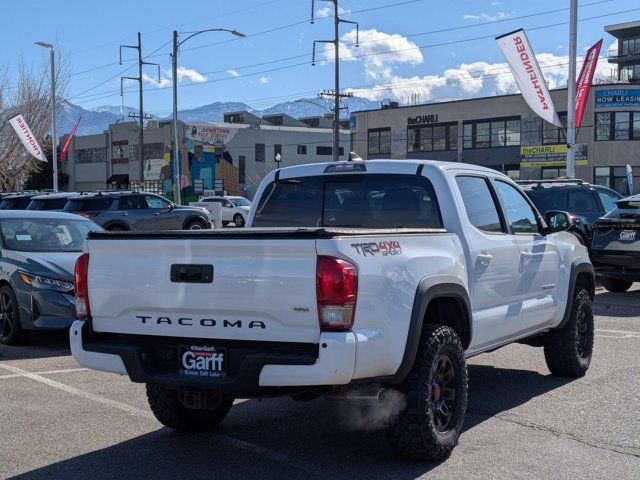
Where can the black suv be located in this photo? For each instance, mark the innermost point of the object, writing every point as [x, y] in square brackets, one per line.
[127, 210]
[54, 202]
[585, 202]
[17, 201]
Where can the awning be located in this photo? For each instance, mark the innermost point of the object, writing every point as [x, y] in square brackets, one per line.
[119, 179]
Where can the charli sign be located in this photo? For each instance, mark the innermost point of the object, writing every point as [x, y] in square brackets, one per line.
[517, 50]
[19, 124]
[422, 119]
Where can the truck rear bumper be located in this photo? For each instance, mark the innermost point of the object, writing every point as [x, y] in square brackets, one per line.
[252, 365]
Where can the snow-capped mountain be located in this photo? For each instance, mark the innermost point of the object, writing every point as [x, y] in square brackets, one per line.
[97, 120]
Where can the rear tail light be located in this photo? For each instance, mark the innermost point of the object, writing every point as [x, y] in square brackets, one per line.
[337, 291]
[82, 292]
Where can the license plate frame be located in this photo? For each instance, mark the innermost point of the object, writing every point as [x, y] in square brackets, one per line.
[202, 361]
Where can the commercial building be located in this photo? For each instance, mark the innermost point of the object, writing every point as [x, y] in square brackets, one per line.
[502, 132]
[230, 156]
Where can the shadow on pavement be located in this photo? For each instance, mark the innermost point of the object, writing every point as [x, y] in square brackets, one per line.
[311, 434]
[38, 345]
[609, 304]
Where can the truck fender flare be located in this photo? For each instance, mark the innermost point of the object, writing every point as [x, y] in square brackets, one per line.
[578, 267]
[426, 292]
[116, 223]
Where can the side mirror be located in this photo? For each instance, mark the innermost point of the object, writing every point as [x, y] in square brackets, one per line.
[171, 207]
[557, 221]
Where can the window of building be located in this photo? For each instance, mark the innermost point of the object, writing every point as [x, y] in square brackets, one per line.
[432, 138]
[512, 170]
[520, 215]
[242, 168]
[379, 141]
[479, 203]
[260, 152]
[302, 149]
[277, 149]
[615, 178]
[91, 155]
[617, 126]
[629, 71]
[328, 151]
[550, 173]
[554, 135]
[500, 132]
[630, 46]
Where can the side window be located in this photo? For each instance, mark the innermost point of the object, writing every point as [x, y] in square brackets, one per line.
[227, 204]
[156, 202]
[520, 215]
[608, 199]
[582, 201]
[481, 208]
[132, 202]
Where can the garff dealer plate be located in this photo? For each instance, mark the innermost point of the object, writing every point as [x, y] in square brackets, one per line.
[628, 234]
[202, 361]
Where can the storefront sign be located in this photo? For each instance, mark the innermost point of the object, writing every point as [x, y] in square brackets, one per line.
[550, 155]
[618, 97]
[422, 119]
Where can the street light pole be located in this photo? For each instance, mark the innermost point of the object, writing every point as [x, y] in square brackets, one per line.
[571, 90]
[54, 151]
[174, 77]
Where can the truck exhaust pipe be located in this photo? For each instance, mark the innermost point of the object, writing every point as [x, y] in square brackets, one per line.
[363, 395]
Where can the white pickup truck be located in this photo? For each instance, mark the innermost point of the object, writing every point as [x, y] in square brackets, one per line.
[352, 277]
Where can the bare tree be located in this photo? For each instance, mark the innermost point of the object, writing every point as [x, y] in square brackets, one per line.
[28, 93]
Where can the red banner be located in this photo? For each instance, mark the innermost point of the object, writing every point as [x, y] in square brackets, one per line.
[63, 153]
[583, 84]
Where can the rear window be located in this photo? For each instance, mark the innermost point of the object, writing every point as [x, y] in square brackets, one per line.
[15, 203]
[48, 204]
[549, 199]
[88, 204]
[371, 201]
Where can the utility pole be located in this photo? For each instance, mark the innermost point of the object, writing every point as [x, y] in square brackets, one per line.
[336, 92]
[54, 150]
[571, 90]
[141, 115]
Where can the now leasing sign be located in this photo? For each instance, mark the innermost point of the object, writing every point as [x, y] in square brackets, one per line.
[618, 97]
[27, 138]
[550, 155]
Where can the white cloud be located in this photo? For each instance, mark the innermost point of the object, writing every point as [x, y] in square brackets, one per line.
[379, 51]
[487, 17]
[265, 80]
[191, 74]
[470, 80]
[165, 81]
[325, 12]
[233, 73]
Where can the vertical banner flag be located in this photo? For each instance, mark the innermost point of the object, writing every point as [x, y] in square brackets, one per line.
[583, 85]
[19, 124]
[630, 179]
[517, 51]
[63, 153]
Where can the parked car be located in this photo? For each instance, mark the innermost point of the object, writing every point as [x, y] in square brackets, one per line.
[50, 201]
[39, 251]
[369, 277]
[17, 201]
[137, 211]
[234, 209]
[584, 201]
[615, 247]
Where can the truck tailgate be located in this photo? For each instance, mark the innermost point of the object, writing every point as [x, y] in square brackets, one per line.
[261, 289]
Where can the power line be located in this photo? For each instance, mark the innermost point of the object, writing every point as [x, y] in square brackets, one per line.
[418, 47]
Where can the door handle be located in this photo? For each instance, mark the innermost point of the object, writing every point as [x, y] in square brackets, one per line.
[485, 259]
[124, 214]
[526, 255]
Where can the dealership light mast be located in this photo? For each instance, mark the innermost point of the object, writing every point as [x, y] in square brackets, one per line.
[54, 150]
[571, 90]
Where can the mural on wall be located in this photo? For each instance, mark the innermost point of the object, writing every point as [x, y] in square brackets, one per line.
[198, 154]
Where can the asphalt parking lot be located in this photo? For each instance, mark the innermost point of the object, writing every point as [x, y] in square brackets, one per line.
[60, 421]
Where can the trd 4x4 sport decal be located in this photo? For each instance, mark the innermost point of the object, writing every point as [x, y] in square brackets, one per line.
[378, 248]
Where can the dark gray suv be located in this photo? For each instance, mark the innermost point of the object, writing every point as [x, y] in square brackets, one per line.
[137, 211]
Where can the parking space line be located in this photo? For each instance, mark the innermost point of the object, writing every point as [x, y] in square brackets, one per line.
[47, 372]
[608, 333]
[235, 442]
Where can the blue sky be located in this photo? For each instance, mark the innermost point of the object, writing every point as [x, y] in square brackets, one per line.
[90, 32]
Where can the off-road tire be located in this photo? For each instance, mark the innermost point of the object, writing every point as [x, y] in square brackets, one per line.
[568, 350]
[15, 335]
[616, 285]
[169, 411]
[414, 433]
